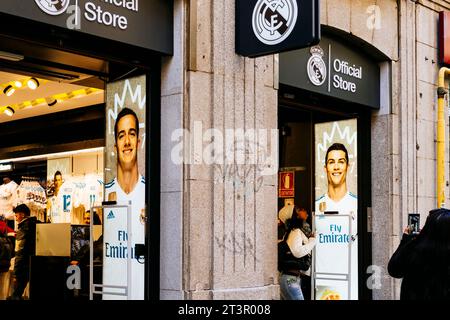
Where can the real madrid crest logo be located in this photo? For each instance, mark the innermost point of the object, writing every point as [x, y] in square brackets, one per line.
[274, 20]
[53, 7]
[317, 70]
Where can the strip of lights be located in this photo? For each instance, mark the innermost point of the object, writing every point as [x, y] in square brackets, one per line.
[50, 101]
[52, 155]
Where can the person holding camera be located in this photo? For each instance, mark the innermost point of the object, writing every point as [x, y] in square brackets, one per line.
[423, 259]
[294, 256]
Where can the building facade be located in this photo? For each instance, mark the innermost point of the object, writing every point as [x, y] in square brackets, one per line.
[224, 245]
[225, 128]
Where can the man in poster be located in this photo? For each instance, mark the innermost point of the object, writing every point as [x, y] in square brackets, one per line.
[339, 199]
[128, 186]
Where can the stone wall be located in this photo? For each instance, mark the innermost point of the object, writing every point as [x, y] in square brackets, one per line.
[218, 237]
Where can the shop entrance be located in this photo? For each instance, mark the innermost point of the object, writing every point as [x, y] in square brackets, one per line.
[76, 138]
[311, 127]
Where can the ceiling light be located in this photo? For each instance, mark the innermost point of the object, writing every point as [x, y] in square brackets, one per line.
[33, 83]
[18, 84]
[11, 56]
[9, 111]
[9, 90]
[51, 101]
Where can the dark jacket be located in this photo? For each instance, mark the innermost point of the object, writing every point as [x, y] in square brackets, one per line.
[25, 245]
[424, 276]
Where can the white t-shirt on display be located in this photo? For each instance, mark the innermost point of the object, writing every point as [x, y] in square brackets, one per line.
[61, 204]
[137, 198]
[88, 191]
[7, 199]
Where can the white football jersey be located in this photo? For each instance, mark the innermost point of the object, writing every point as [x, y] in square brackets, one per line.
[94, 192]
[88, 191]
[8, 193]
[348, 205]
[61, 204]
[137, 198]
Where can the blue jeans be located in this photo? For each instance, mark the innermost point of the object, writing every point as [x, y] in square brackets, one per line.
[290, 287]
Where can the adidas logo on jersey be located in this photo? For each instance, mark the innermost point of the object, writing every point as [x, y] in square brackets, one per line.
[110, 216]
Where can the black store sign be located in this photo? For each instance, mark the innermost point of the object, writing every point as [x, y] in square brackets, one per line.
[142, 23]
[334, 69]
[270, 26]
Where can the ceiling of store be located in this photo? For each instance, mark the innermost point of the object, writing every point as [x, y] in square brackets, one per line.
[46, 89]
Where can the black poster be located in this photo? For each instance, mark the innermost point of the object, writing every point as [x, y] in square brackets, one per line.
[270, 26]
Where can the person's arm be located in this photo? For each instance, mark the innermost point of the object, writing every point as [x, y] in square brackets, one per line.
[295, 243]
[399, 262]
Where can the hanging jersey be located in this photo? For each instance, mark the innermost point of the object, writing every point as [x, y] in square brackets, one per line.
[7, 198]
[61, 204]
[79, 188]
[137, 228]
[88, 191]
[93, 196]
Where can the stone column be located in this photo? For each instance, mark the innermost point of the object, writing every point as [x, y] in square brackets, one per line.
[230, 210]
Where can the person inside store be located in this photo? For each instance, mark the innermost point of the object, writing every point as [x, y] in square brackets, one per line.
[284, 214]
[294, 255]
[87, 218]
[305, 275]
[25, 248]
[129, 187]
[6, 254]
[337, 198]
[423, 259]
[7, 200]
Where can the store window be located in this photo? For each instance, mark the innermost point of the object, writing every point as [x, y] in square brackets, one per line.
[318, 179]
[52, 162]
[73, 155]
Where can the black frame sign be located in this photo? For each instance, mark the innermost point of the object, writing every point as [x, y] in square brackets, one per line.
[333, 68]
[142, 23]
[266, 27]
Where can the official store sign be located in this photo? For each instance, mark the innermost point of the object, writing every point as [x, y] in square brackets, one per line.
[335, 69]
[270, 26]
[142, 23]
